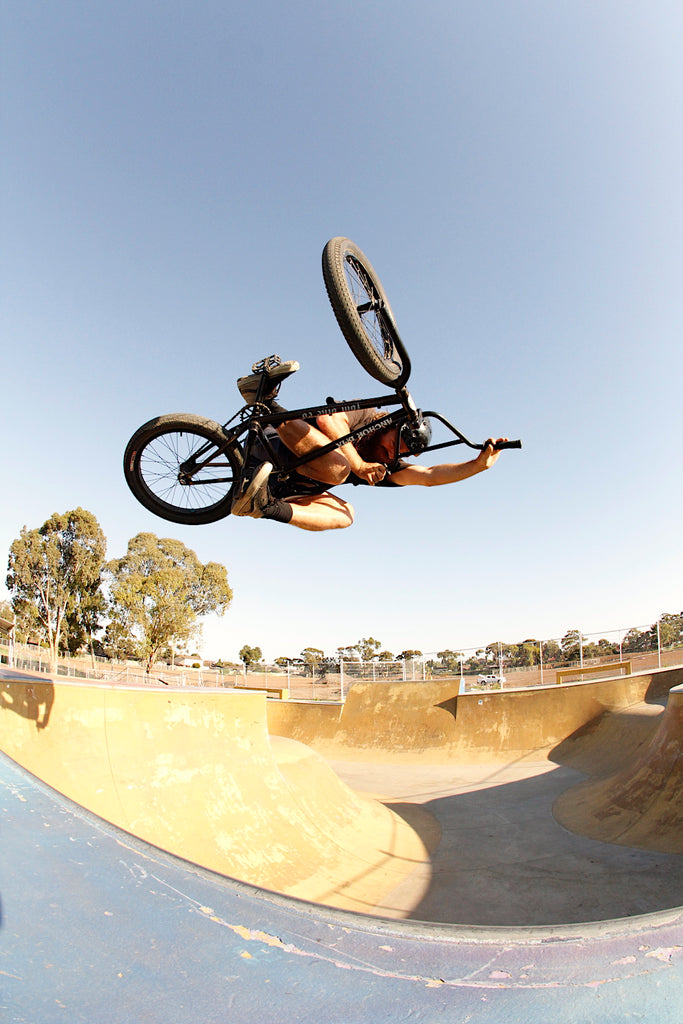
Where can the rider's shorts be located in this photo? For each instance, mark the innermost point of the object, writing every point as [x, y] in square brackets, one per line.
[296, 485]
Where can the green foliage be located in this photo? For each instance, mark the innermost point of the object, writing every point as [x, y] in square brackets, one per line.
[119, 644]
[450, 660]
[348, 653]
[636, 641]
[528, 653]
[601, 649]
[250, 655]
[158, 590]
[83, 619]
[312, 657]
[224, 666]
[570, 645]
[671, 628]
[551, 651]
[368, 648]
[54, 576]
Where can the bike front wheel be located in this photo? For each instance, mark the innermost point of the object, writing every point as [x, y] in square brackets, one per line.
[363, 312]
[182, 468]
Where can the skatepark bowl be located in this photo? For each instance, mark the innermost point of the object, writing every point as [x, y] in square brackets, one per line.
[415, 854]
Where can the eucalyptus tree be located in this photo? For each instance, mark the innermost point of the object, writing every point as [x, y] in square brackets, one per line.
[368, 648]
[312, 658]
[54, 578]
[250, 656]
[450, 660]
[158, 592]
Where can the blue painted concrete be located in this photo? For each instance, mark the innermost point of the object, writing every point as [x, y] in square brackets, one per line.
[100, 928]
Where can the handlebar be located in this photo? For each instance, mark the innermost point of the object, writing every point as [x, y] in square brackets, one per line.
[505, 444]
[415, 417]
[464, 440]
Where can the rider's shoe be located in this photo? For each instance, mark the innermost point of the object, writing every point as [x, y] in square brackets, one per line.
[248, 385]
[255, 494]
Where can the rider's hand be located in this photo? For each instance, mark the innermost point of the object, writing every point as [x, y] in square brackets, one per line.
[489, 455]
[371, 472]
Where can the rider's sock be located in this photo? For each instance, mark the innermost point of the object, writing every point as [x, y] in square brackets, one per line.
[276, 407]
[277, 510]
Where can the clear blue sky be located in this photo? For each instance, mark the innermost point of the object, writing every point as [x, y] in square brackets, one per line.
[171, 171]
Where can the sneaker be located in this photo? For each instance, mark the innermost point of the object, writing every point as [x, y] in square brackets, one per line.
[255, 494]
[276, 373]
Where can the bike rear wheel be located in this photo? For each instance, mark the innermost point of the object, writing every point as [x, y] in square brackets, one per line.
[363, 312]
[180, 468]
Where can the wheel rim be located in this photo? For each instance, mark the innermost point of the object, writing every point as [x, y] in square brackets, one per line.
[161, 473]
[370, 308]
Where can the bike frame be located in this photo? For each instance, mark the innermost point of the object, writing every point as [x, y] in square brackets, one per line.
[257, 421]
[257, 417]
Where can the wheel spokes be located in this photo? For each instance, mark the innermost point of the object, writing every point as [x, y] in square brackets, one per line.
[370, 308]
[166, 469]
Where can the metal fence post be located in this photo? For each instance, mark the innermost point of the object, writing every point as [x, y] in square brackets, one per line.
[659, 646]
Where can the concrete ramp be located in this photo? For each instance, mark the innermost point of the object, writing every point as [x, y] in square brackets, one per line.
[194, 772]
[433, 723]
[642, 804]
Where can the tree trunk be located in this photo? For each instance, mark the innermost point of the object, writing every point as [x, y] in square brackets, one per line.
[53, 647]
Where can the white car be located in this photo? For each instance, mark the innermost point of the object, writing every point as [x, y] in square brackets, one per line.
[491, 680]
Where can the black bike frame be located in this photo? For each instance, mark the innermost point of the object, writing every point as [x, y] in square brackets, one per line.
[256, 417]
[255, 423]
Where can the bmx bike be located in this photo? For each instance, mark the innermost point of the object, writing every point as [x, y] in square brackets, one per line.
[188, 469]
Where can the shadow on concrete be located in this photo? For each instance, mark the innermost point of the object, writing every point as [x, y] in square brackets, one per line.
[611, 741]
[33, 702]
[504, 861]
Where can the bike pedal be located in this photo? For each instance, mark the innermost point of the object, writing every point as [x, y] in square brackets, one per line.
[269, 363]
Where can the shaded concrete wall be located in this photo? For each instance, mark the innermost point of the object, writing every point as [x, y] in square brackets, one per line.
[641, 805]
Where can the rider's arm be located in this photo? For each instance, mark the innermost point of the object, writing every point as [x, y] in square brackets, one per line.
[336, 425]
[448, 473]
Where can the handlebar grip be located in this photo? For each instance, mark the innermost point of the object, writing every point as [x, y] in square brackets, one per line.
[507, 444]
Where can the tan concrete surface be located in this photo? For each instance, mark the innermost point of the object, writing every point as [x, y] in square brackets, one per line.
[194, 772]
[505, 859]
[491, 769]
[432, 723]
[429, 804]
[641, 804]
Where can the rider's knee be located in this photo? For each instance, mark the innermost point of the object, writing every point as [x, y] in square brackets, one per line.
[340, 515]
[339, 472]
[332, 469]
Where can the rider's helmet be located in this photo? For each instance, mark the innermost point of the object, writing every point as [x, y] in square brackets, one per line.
[416, 437]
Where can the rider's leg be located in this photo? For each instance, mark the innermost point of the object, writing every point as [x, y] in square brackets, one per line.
[312, 512]
[301, 438]
[307, 512]
[322, 512]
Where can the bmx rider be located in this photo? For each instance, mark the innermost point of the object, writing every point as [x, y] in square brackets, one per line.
[303, 499]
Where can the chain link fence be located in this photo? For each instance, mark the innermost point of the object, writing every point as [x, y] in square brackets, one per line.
[493, 666]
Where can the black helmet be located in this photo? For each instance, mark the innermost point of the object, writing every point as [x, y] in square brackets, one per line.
[416, 438]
